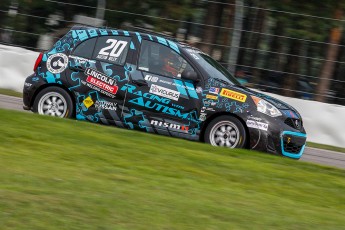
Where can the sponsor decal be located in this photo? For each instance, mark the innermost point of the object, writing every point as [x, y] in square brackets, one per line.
[203, 109]
[81, 60]
[214, 90]
[179, 84]
[169, 125]
[166, 82]
[144, 68]
[106, 105]
[151, 78]
[57, 63]
[101, 81]
[153, 102]
[257, 125]
[202, 116]
[164, 92]
[27, 84]
[112, 51]
[212, 97]
[233, 95]
[198, 89]
[88, 102]
[177, 106]
[255, 118]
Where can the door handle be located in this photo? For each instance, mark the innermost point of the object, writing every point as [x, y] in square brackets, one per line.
[77, 68]
[140, 82]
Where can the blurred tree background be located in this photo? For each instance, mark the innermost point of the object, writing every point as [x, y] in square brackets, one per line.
[293, 48]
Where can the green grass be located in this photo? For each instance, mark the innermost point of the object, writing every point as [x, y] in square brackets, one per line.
[10, 92]
[327, 147]
[66, 174]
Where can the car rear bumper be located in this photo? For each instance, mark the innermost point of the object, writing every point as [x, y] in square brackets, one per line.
[28, 92]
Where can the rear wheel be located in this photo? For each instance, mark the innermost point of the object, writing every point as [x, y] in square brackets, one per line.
[54, 101]
[226, 131]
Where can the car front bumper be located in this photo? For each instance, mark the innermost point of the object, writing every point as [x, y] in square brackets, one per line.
[278, 139]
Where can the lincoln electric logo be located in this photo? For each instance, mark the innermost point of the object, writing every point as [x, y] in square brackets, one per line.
[169, 125]
[233, 95]
[100, 80]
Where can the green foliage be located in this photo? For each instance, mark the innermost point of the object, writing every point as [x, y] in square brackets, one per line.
[65, 174]
[178, 10]
[305, 27]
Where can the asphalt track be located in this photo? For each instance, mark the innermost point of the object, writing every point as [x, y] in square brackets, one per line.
[317, 156]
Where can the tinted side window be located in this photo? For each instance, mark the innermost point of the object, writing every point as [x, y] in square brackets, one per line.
[85, 48]
[159, 59]
[112, 49]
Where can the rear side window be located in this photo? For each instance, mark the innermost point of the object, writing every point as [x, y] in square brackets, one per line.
[85, 49]
[112, 49]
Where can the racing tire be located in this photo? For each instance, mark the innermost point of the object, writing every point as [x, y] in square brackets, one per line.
[54, 101]
[226, 131]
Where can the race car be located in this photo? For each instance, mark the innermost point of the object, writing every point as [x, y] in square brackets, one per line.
[151, 83]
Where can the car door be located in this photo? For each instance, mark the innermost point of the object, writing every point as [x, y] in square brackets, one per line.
[98, 68]
[157, 99]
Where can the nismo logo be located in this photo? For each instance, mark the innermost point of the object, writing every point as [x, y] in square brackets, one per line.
[169, 125]
[151, 101]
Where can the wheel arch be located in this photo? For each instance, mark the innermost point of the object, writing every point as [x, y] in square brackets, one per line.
[42, 87]
[214, 116]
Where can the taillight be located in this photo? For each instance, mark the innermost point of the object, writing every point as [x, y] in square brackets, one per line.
[38, 61]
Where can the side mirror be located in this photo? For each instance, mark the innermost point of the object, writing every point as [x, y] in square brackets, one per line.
[190, 75]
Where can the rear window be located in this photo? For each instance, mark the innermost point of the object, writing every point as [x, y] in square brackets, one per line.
[85, 48]
[112, 49]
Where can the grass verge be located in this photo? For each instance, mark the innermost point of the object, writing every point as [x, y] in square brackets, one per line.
[327, 147]
[65, 174]
[10, 92]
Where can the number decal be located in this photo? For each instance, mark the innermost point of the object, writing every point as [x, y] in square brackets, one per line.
[116, 48]
[103, 51]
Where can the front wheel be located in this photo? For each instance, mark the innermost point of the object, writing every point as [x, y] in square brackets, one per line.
[226, 131]
[54, 101]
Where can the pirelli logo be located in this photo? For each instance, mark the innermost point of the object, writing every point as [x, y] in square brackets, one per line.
[233, 95]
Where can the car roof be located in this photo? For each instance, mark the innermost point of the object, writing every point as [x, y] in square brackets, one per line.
[140, 34]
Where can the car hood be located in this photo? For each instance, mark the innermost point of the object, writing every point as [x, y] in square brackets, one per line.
[285, 108]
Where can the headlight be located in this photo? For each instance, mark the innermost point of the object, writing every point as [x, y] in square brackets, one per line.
[266, 107]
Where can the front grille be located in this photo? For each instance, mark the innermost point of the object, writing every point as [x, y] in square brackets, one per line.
[293, 144]
[292, 148]
[294, 123]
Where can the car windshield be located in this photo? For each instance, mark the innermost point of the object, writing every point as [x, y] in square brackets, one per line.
[212, 67]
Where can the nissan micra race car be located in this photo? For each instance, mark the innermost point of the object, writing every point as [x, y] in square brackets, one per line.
[153, 84]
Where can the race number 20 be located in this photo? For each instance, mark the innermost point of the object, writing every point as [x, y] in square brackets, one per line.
[113, 51]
